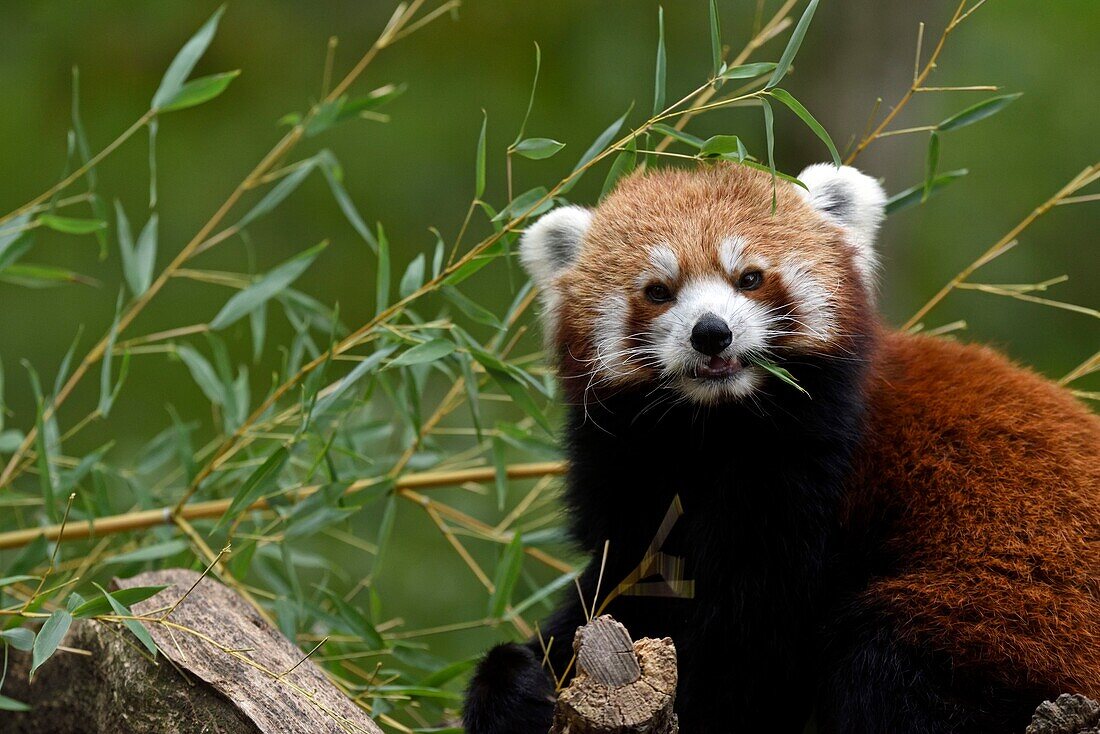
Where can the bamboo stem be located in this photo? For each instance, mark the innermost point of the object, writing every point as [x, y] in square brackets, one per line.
[216, 508]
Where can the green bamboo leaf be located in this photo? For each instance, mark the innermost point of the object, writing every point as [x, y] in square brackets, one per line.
[793, 45]
[15, 239]
[382, 277]
[531, 100]
[10, 704]
[154, 552]
[475, 311]
[977, 112]
[769, 129]
[49, 637]
[258, 484]
[479, 165]
[781, 373]
[62, 370]
[722, 145]
[413, 277]
[10, 440]
[598, 145]
[385, 529]
[804, 114]
[660, 74]
[546, 591]
[202, 373]
[20, 638]
[269, 286]
[199, 91]
[357, 623]
[448, 673]
[538, 148]
[100, 605]
[363, 368]
[71, 225]
[680, 135]
[500, 467]
[185, 60]
[330, 167]
[715, 39]
[504, 581]
[748, 71]
[99, 209]
[136, 627]
[29, 275]
[429, 351]
[931, 164]
[47, 476]
[283, 189]
[915, 194]
[107, 393]
[622, 166]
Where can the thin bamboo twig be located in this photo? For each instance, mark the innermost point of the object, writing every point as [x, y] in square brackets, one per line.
[1087, 176]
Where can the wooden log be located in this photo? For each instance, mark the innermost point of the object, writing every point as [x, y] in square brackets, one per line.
[222, 668]
[620, 687]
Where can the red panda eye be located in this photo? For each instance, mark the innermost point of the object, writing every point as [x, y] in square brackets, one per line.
[658, 293]
[750, 280]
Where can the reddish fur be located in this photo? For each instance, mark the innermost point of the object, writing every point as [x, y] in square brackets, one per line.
[982, 477]
[987, 477]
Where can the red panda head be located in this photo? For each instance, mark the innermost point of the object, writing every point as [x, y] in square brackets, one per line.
[684, 279]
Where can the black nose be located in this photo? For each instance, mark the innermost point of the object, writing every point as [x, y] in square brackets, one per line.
[710, 335]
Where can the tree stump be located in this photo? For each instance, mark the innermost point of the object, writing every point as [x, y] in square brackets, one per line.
[620, 687]
[221, 669]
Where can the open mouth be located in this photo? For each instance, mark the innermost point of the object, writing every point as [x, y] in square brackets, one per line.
[717, 369]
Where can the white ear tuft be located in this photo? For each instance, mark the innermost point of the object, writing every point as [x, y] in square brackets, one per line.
[551, 244]
[851, 199]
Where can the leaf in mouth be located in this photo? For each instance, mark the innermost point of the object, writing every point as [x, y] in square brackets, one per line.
[781, 373]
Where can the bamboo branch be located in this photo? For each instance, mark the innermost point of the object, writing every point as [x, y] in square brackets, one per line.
[141, 519]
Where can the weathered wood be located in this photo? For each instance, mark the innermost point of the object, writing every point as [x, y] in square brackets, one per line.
[620, 687]
[222, 669]
[1069, 714]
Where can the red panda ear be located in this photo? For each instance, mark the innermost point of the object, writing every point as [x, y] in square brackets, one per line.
[551, 244]
[851, 199]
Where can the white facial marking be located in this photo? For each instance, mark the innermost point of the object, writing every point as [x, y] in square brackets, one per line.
[811, 298]
[748, 320]
[730, 253]
[664, 267]
[609, 337]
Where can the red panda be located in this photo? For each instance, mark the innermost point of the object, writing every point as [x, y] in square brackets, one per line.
[907, 541]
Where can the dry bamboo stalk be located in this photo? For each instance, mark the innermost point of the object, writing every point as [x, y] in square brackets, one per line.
[215, 508]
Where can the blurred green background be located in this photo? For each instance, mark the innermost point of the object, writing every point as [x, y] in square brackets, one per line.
[417, 170]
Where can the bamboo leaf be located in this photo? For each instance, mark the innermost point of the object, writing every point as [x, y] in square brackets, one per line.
[185, 60]
[136, 627]
[473, 310]
[715, 39]
[427, 352]
[748, 71]
[10, 704]
[916, 194]
[154, 552]
[598, 145]
[781, 373]
[47, 476]
[531, 100]
[273, 198]
[258, 484]
[479, 165]
[793, 45]
[933, 161]
[978, 112]
[71, 225]
[622, 166]
[20, 638]
[413, 277]
[721, 145]
[660, 74]
[504, 581]
[538, 148]
[199, 91]
[769, 129]
[106, 392]
[382, 277]
[100, 605]
[49, 637]
[680, 135]
[361, 369]
[804, 114]
[270, 285]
